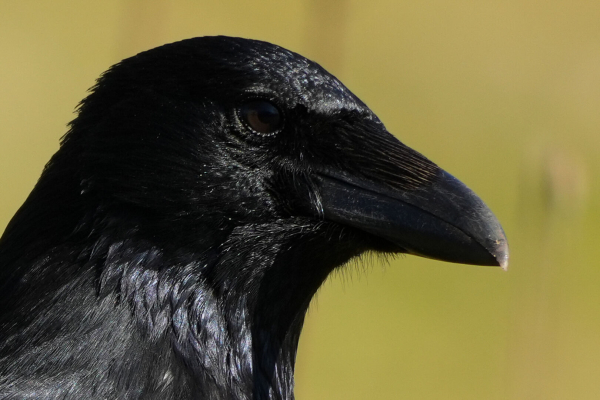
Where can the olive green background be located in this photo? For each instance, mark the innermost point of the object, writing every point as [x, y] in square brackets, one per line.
[505, 95]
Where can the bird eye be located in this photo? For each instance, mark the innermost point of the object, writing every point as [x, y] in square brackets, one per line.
[262, 116]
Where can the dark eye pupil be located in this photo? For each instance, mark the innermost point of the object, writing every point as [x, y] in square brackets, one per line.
[261, 116]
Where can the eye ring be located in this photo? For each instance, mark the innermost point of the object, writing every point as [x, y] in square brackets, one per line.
[261, 116]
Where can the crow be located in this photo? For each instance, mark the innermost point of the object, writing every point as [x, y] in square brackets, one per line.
[203, 193]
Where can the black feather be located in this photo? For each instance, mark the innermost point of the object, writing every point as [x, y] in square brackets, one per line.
[170, 252]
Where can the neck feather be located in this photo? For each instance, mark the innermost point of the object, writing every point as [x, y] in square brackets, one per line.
[220, 322]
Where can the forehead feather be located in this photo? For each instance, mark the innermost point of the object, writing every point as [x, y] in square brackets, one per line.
[280, 70]
[223, 68]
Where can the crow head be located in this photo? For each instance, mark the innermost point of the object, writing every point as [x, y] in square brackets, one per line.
[215, 133]
[211, 185]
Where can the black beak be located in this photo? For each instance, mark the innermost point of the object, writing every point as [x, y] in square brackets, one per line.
[442, 219]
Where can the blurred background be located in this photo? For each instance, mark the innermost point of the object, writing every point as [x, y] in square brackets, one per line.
[504, 95]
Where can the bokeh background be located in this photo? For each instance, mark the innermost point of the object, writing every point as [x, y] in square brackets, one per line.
[503, 94]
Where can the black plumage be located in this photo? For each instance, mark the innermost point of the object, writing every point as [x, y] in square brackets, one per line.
[204, 192]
